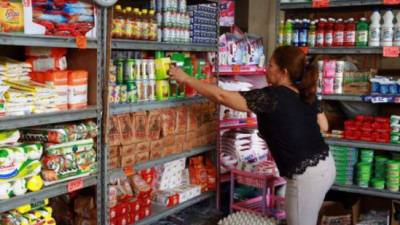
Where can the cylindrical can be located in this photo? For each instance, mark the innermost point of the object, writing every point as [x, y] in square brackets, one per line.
[151, 69]
[138, 66]
[145, 90]
[144, 70]
[140, 90]
[119, 63]
[132, 91]
[152, 90]
[129, 74]
[123, 93]
[162, 90]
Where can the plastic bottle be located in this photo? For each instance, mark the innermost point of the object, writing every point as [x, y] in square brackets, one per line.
[296, 32]
[129, 23]
[362, 33]
[303, 35]
[118, 22]
[397, 31]
[387, 29]
[287, 37]
[329, 32]
[145, 24]
[154, 26]
[375, 29]
[139, 24]
[350, 33]
[281, 31]
[312, 34]
[338, 33]
[320, 33]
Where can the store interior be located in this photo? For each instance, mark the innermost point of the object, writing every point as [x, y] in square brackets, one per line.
[94, 131]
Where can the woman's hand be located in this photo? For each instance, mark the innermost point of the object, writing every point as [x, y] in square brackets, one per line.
[176, 73]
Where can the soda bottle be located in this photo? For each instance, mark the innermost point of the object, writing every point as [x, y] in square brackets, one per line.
[350, 33]
[145, 24]
[320, 33]
[375, 29]
[287, 37]
[329, 32]
[397, 31]
[129, 23]
[338, 33]
[280, 34]
[387, 29]
[303, 35]
[312, 34]
[118, 22]
[296, 31]
[362, 33]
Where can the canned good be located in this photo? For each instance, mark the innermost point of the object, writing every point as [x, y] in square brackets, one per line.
[152, 90]
[146, 90]
[144, 70]
[151, 69]
[123, 93]
[119, 63]
[162, 90]
[132, 92]
[138, 67]
[140, 90]
[129, 74]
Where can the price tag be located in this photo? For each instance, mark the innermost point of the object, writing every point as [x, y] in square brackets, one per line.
[391, 2]
[236, 68]
[320, 3]
[305, 50]
[391, 52]
[129, 171]
[75, 185]
[81, 42]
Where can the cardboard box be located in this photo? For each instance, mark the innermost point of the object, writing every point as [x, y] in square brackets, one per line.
[128, 150]
[142, 152]
[169, 150]
[156, 150]
[180, 139]
[187, 145]
[154, 125]
[336, 213]
[168, 141]
[113, 151]
[127, 129]
[128, 160]
[181, 120]
[140, 123]
[192, 118]
[114, 134]
[168, 122]
[114, 163]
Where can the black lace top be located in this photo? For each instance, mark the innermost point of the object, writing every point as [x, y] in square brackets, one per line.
[290, 128]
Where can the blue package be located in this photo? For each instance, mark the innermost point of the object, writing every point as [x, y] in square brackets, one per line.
[78, 5]
[375, 87]
[384, 88]
[81, 11]
[52, 18]
[393, 88]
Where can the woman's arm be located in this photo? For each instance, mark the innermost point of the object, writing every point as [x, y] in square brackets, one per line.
[323, 122]
[231, 99]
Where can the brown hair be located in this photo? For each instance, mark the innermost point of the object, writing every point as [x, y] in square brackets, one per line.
[303, 76]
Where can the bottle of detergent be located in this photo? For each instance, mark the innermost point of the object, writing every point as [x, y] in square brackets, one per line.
[375, 29]
[312, 35]
[329, 32]
[387, 29]
[338, 33]
[350, 33]
[296, 32]
[320, 33]
[281, 31]
[303, 35]
[362, 33]
[397, 31]
[287, 34]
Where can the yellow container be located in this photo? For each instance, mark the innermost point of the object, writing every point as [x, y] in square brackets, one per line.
[11, 16]
[162, 67]
[163, 90]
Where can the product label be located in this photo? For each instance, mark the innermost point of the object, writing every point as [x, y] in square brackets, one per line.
[311, 40]
[320, 3]
[374, 34]
[387, 34]
[328, 39]
[397, 34]
[350, 37]
[287, 39]
[75, 185]
[295, 38]
[303, 36]
[81, 42]
[391, 2]
[320, 39]
[338, 38]
[391, 52]
[362, 37]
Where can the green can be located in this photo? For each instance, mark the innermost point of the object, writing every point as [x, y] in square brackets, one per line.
[131, 92]
[129, 72]
[378, 183]
[119, 64]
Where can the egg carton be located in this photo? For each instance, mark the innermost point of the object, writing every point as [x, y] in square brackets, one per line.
[247, 218]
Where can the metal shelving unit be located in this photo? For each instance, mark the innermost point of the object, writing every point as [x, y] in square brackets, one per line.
[42, 40]
[47, 192]
[144, 106]
[366, 191]
[345, 51]
[332, 4]
[363, 144]
[344, 97]
[160, 212]
[162, 46]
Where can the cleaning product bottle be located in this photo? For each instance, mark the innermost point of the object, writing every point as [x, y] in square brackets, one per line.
[338, 33]
[387, 29]
[287, 37]
[312, 34]
[303, 36]
[320, 33]
[296, 31]
[350, 33]
[375, 29]
[281, 32]
[362, 33]
[329, 32]
[397, 31]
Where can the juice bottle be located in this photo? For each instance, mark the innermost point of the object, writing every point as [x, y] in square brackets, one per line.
[375, 29]
[129, 23]
[362, 33]
[118, 22]
[312, 34]
[320, 33]
[153, 26]
[338, 33]
[295, 33]
[287, 37]
[329, 32]
[387, 29]
[397, 31]
[350, 33]
[139, 25]
[280, 34]
[303, 35]
[136, 31]
[145, 24]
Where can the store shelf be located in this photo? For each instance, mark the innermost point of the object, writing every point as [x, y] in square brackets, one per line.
[332, 4]
[42, 40]
[13, 122]
[344, 51]
[344, 97]
[366, 191]
[144, 106]
[162, 46]
[118, 172]
[160, 212]
[46, 192]
[363, 144]
[253, 73]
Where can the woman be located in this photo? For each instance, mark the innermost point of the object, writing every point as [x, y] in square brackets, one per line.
[291, 120]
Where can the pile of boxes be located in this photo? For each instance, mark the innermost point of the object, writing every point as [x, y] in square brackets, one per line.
[203, 23]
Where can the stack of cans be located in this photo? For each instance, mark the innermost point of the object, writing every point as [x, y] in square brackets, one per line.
[392, 176]
[364, 171]
[345, 159]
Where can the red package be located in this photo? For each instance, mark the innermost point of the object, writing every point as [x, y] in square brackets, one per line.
[382, 119]
[114, 221]
[123, 220]
[135, 205]
[113, 212]
[211, 175]
[360, 118]
[49, 63]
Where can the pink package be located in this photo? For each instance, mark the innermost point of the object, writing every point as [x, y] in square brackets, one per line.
[328, 84]
[330, 68]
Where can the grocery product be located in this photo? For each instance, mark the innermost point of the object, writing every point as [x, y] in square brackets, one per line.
[375, 29]
[287, 36]
[247, 218]
[12, 16]
[396, 38]
[362, 33]
[338, 33]
[387, 29]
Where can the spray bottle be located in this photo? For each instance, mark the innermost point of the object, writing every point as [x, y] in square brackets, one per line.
[387, 29]
[375, 29]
